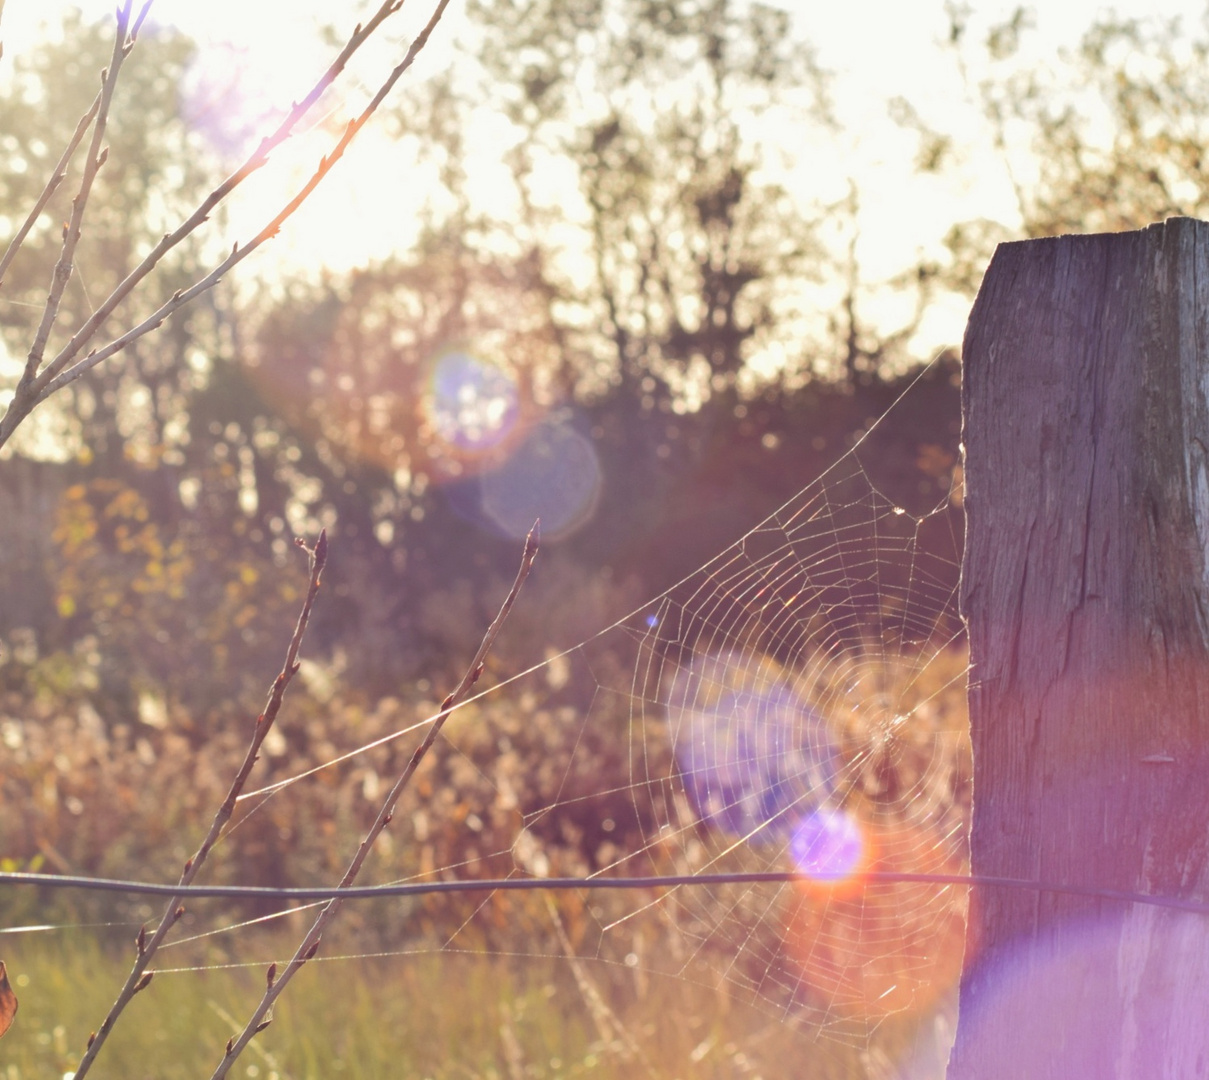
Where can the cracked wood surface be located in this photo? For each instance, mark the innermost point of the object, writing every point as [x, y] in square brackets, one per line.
[1085, 426]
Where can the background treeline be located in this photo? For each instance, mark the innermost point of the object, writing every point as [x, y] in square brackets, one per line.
[642, 280]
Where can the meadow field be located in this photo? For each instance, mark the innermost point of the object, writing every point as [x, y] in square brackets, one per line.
[444, 1017]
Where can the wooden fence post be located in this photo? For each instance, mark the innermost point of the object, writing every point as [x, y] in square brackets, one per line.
[1085, 586]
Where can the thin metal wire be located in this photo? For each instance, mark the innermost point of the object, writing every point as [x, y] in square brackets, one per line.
[425, 888]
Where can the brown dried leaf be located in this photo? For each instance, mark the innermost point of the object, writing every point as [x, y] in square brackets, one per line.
[8, 1001]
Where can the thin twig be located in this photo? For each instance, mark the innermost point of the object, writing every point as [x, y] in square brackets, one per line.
[57, 177]
[33, 387]
[97, 152]
[256, 160]
[261, 1016]
[55, 377]
[139, 976]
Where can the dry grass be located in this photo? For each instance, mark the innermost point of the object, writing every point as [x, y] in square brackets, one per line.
[125, 799]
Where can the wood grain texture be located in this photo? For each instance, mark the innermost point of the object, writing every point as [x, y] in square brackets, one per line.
[1086, 428]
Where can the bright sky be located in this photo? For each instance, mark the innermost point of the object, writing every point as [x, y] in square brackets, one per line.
[878, 50]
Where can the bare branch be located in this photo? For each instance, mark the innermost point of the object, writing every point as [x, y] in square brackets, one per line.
[72, 232]
[55, 378]
[310, 943]
[258, 158]
[60, 171]
[138, 23]
[147, 947]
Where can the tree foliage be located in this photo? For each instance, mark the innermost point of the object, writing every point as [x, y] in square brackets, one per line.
[644, 198]
[641, 257]
[1110, 137]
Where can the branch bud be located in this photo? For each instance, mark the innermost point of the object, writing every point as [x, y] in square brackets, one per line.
[532, 541]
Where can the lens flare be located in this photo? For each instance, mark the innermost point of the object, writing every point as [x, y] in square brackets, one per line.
[829, 845]
[1063, 995]
[473, 406]
[755, 757]
[224, 99]
[553, 475]
[875, 948]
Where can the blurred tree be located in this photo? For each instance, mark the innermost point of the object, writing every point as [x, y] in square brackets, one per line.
[646, 184]
[155, 170]
[142, 503]
[637, 280]
[613, 253]
[1112, 137]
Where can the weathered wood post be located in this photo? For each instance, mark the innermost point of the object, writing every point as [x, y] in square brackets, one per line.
[1086, 590]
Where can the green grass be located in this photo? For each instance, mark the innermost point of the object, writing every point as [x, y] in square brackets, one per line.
[439, 1016]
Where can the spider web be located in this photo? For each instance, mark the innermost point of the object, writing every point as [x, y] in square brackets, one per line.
[797, 704]
[795, 707]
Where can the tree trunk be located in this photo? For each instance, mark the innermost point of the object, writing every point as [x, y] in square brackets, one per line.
[1086, 591]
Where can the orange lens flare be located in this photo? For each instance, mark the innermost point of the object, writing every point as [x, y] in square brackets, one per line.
[876, 948]
[832, 850]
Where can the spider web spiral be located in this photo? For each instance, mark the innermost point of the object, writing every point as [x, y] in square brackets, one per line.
[797, 704]
[795, 707]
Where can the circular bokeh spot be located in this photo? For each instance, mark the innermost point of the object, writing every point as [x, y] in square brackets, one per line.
[828, 845]
[472, 405]
[756, 759]
[872, 948]
[553, 475]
